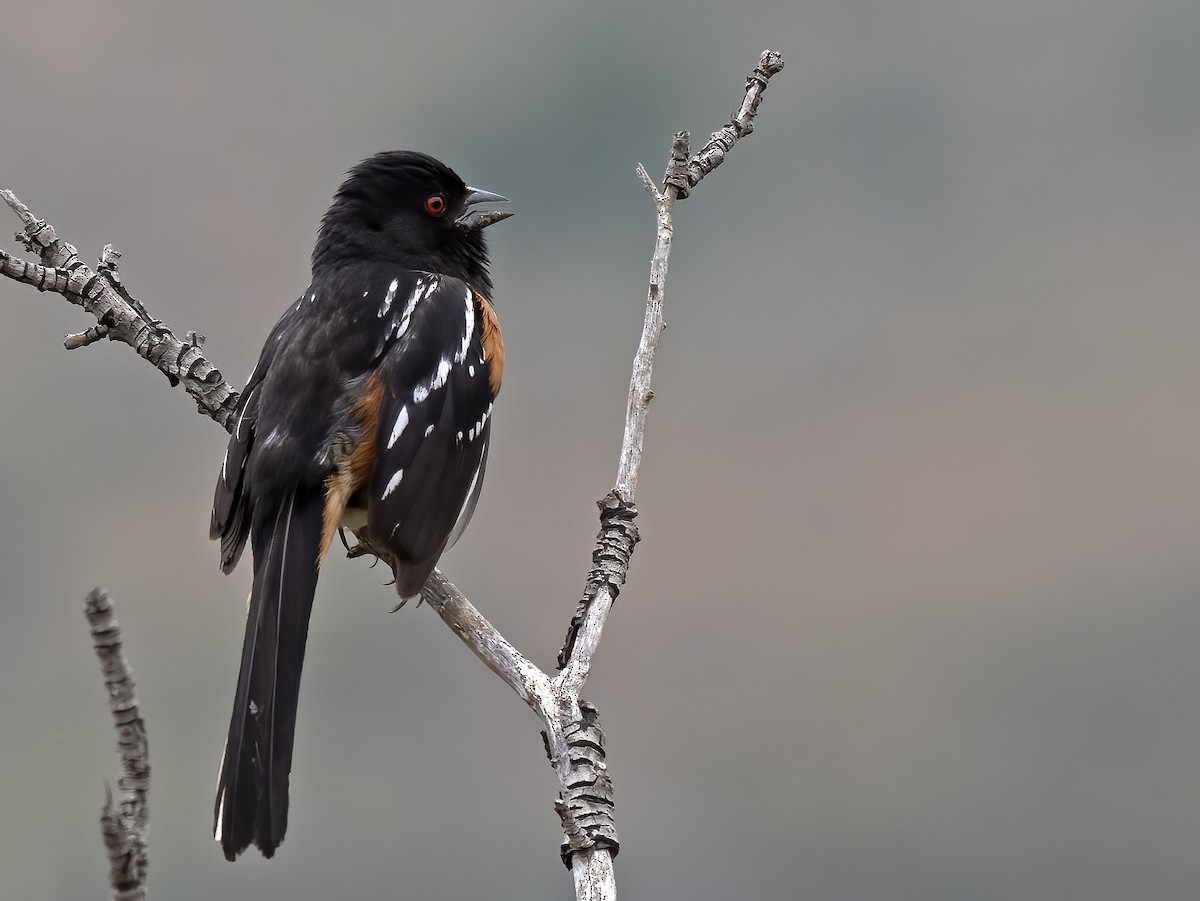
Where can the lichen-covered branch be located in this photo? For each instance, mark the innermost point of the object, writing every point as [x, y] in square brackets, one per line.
[125, 826]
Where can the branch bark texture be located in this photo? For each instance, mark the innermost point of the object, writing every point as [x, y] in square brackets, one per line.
[573, 738]
[125, 826]
[119, 316]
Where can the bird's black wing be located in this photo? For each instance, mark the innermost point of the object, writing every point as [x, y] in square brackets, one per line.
[432, 436]
[231, 510]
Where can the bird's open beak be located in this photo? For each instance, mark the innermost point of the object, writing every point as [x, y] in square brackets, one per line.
[472, 220]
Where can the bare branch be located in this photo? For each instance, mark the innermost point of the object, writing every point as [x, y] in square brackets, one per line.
[647, 181]
[522, 676]
[610, 563]
[643, 361]
[127, 826]
[721, 142]
[86, 337]
[118, 314]
[617, 533]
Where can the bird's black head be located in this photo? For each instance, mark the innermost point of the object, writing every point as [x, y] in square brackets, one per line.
[408, 208]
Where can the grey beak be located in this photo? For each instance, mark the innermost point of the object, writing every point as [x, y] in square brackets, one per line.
[472, 220]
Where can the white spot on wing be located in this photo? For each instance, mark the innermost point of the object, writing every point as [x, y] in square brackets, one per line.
[483, 419]
[401, 422]
[468, 507]
[237, 431]
[402, 325]
[425, 286]
[439, 378]
[477, 431]
[275, 436]
[428, 430]
[387, 298]
[393, 483]
[468, 330]
[218, 832]
[471, 490]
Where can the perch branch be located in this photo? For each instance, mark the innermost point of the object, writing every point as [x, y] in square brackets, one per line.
[465, 621]
[574, 742]
[126, 826]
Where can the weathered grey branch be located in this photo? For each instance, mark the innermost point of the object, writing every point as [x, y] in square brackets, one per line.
[126, 827]
[574, 742]
[618, 535]
[119, 316]
[90, 335]
[465, 621]
[592, 869]
[742, 123]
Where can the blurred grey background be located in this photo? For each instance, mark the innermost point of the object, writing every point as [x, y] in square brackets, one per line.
[916, 607]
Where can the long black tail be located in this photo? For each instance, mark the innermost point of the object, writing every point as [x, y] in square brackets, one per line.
[252, 790]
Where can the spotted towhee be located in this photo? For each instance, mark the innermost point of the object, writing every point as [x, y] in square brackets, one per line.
[370, 407]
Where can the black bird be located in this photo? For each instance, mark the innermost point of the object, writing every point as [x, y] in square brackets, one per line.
[370, 407]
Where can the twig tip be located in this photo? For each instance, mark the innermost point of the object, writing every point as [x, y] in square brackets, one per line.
[771, 62]
[648, 182]
[14, 204]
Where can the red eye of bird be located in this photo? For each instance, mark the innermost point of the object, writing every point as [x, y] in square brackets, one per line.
[435, 204]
